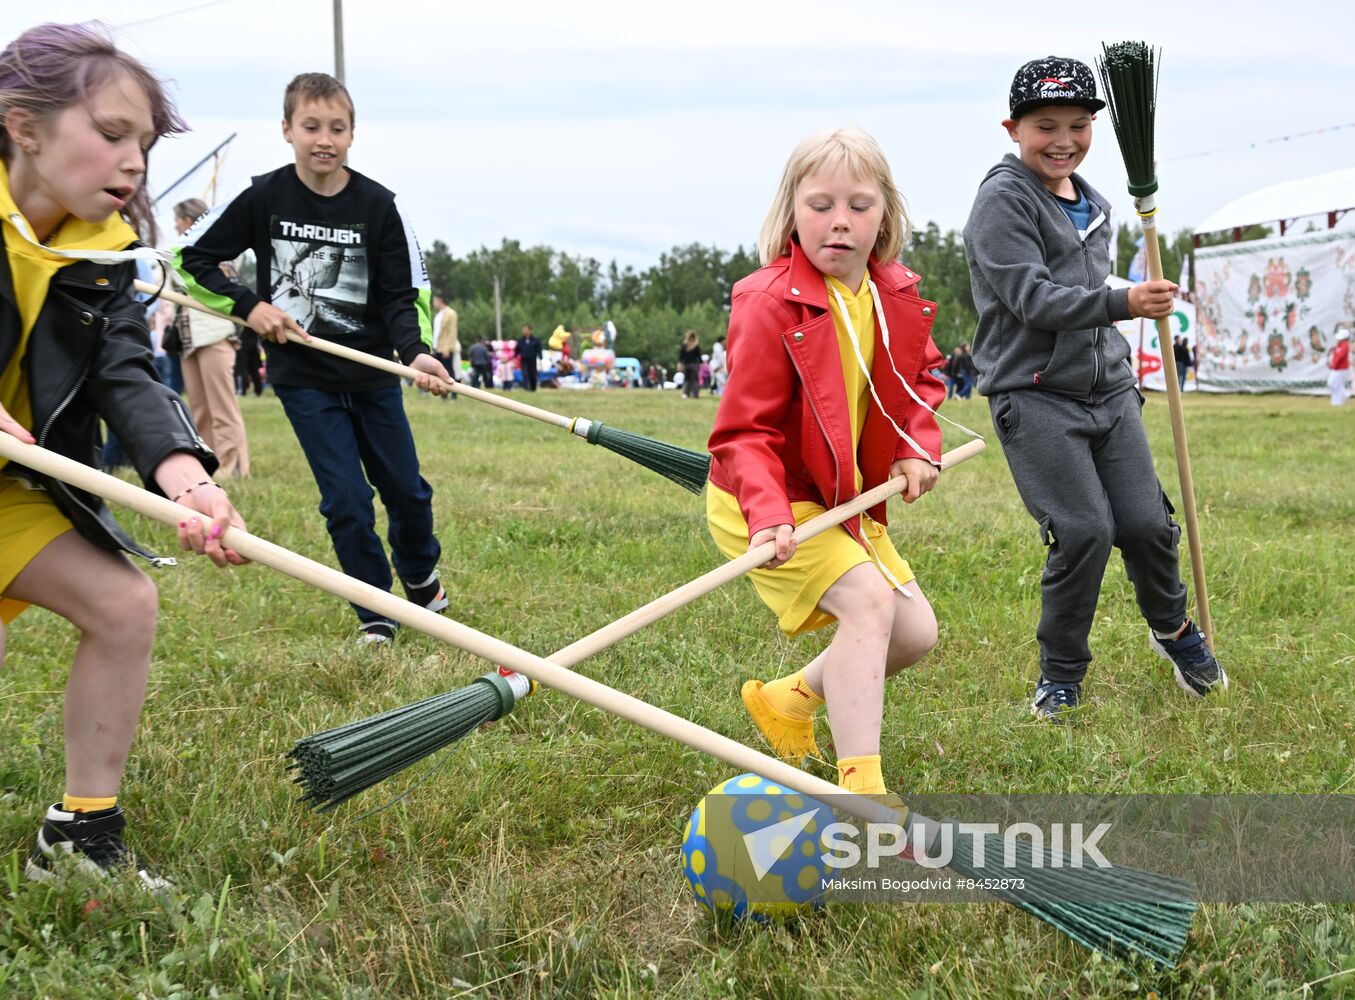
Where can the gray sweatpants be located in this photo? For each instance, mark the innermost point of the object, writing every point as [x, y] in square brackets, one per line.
[1086, 475]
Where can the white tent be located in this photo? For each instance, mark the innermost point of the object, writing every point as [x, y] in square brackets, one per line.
[1329, 192]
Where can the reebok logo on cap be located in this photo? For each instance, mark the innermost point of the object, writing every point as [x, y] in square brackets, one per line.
[1053, 80]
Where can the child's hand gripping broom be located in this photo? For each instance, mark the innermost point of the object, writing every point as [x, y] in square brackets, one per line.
[685, 467]
[1129, 78]
[1153, 921]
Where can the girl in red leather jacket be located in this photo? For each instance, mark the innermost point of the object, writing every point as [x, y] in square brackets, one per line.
[77, 119]
[829, 394]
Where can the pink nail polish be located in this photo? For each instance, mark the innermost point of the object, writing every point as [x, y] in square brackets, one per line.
[216, 531]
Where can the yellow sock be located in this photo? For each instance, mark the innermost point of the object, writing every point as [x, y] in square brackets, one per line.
[79, 804]
[861, 775]
[792, 696]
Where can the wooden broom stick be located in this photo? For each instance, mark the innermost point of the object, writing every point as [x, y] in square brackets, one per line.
[372, 361]
[611, 634]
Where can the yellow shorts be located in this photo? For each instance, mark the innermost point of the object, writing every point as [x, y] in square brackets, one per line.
[793, 590]
[29, 522]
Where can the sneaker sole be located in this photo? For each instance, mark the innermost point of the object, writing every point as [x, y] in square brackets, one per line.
[1181, 681]
[34, 872]
[1058, 718]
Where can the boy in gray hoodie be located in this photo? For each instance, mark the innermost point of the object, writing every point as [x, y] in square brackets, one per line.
[1061, 389]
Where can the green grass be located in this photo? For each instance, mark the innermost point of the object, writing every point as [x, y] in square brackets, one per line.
[540, 858]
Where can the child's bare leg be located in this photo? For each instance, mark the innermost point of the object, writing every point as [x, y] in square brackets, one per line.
[914, 634]
[113, 604]
[852, 668]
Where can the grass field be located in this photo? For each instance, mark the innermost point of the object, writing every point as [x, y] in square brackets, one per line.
[540, 857]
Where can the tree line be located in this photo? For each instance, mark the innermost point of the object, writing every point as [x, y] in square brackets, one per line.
[687, 289]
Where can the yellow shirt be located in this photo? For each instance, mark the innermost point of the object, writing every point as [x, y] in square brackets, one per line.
[29, 520]
[31, 271]
[861, 312]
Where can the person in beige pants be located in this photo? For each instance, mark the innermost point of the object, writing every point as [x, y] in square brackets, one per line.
[209, 346]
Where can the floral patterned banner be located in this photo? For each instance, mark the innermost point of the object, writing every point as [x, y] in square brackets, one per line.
[1268, 311]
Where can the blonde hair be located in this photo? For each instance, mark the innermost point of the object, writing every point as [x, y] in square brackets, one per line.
[829, 150]
[691, 339]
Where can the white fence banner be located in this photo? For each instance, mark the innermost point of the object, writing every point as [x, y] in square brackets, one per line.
[1268, 311]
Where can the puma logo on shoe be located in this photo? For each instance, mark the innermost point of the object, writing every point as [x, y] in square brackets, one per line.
[849, 772]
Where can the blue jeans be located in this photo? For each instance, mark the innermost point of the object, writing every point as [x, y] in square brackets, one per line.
[170, 370]
[350, 438]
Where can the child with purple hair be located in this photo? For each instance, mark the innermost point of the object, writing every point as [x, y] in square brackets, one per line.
[79, 119]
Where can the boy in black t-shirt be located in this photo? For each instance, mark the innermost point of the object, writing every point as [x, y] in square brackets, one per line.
[337, 258]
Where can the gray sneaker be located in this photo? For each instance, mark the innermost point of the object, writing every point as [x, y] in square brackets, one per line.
[1197, 672]
[1054, 700]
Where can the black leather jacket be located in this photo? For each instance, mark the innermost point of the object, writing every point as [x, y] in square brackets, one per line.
[89, 355]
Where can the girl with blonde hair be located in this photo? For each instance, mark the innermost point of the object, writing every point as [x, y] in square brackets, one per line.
[829, 394]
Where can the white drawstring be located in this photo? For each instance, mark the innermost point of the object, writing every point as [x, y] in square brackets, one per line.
[870, 383]
[21, 226]
[860, 360]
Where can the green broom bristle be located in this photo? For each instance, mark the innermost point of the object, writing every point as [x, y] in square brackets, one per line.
[687, 468]
[1121, 911]
[1128, 72]
[337, 764]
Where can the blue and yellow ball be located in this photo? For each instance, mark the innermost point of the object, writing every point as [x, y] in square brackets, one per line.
[716, 859]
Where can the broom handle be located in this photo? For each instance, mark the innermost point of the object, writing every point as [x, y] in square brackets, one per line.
[370, 360]
[1153, 254]
[610, 634]
[440, 627]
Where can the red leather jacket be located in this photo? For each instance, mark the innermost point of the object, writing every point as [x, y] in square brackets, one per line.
[782, 433]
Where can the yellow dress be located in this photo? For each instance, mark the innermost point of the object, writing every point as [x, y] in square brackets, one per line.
[793, 590]
[29, 520]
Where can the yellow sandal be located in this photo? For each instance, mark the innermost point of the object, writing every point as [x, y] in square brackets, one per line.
[791, 739]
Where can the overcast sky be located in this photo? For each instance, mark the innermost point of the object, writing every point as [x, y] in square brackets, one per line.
[617, 130]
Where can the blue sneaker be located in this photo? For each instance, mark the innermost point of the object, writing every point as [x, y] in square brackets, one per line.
[1197, 672]
[1054, 700]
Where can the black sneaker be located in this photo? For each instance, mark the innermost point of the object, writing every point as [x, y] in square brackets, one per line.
[1197, 672]
[428, 594]
[92, 842]
[1053, 701]
[378, 633]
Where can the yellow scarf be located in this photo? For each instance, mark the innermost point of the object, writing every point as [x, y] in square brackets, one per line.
[32, 269]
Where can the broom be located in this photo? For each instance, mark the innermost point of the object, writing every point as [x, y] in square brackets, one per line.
[685, 467]
[1128, 72]
[339, 763]
[1132, 930]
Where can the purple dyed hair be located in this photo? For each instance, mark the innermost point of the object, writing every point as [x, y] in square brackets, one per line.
[53, 66]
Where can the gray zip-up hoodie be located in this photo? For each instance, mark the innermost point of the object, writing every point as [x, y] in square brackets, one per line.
[1045, 312]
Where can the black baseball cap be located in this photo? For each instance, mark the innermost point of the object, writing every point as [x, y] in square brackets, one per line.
[1053, 80]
